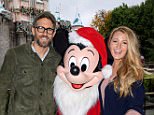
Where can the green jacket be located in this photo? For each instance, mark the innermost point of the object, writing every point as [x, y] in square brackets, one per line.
[26, 83]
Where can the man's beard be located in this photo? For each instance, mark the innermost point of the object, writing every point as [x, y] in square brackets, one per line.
[43, 44]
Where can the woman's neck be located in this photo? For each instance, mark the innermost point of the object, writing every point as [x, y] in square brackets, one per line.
[115, 67]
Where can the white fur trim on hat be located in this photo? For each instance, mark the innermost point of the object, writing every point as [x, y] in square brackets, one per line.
[75, 38]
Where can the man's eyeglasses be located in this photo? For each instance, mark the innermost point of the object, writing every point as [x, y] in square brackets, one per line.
[41, 29]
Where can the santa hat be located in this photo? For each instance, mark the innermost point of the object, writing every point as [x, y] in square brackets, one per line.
[90, 37]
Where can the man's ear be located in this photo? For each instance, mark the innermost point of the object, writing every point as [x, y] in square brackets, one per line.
[33, 31]
[54, 33]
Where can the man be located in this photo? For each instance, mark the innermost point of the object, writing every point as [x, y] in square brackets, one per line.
[28, 72]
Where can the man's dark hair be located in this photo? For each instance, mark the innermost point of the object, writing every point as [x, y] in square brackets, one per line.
[47, 15]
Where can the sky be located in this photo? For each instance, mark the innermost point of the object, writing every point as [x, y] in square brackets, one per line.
[86, 8]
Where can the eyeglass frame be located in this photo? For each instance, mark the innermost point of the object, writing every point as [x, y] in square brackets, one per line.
[43, 29]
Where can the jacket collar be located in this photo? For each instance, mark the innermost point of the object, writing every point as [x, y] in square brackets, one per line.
[31, 52]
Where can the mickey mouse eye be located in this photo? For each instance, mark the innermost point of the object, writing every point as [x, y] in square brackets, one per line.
[72, 62]
[84, 64]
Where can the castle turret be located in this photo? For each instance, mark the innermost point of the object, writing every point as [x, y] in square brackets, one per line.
[77, 23]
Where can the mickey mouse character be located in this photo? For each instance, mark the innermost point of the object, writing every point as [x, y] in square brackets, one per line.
[77, 80]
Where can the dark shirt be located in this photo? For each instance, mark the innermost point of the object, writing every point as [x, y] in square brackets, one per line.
[116, 105]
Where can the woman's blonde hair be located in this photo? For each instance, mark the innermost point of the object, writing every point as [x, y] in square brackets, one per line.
[130, 68]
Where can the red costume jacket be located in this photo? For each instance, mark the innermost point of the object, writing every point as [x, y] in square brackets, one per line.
[94, 110]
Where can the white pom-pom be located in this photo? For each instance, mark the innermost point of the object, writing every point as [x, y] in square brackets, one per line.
[107, 71]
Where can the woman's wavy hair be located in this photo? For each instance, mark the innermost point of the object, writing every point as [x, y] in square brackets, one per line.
[130, 68]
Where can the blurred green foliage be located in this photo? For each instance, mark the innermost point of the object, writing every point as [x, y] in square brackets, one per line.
[139, 18]
[149, 83]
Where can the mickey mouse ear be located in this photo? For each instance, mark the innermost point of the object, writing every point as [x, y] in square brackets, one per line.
[107, 71]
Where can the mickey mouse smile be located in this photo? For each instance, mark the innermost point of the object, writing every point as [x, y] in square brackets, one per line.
[77, 86]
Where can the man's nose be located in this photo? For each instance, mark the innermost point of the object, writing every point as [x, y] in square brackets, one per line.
[45, 32]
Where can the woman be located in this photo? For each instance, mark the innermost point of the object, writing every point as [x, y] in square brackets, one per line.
[123, 92]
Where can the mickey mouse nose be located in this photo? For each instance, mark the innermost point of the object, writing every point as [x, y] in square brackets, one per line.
[75, 70]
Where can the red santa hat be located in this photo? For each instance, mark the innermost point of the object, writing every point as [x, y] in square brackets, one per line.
[90, 37]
